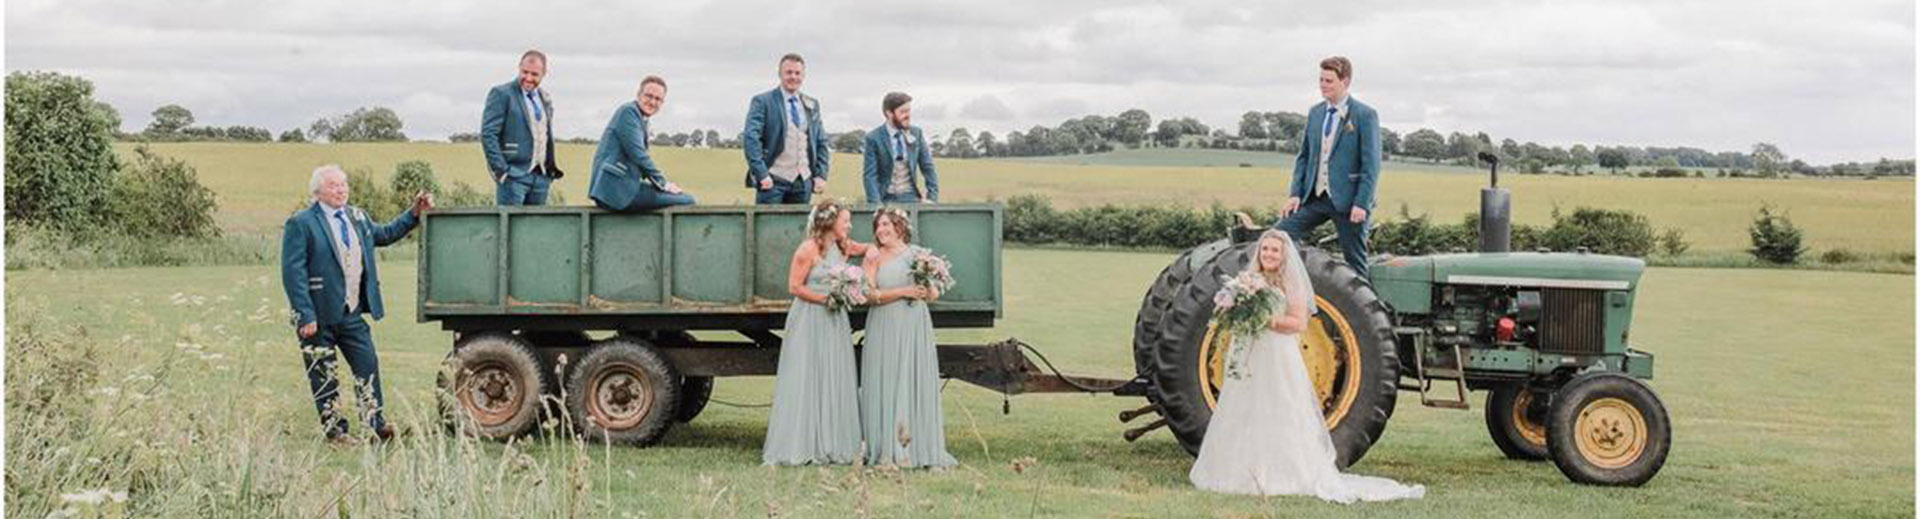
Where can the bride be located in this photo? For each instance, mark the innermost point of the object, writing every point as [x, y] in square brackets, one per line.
[1267, 436]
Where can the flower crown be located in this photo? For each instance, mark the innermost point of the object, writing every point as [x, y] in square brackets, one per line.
[902, 213]
[817, 218]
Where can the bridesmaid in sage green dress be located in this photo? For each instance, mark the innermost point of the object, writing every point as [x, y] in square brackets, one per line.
[816, 416]
[899, 370]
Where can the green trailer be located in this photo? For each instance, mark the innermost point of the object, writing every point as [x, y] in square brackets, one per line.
[590, 311]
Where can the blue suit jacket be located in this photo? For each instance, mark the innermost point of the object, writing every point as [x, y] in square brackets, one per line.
[504, 136]
[877, 171]
[310, 268]
[622, 164]
[1353, 170]
[766, 134]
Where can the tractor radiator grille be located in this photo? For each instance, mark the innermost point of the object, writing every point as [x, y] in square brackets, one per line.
[1571, 321]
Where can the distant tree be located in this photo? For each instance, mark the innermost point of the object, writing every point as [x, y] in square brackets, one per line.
[987, 145]
[1130, 127]
[296, 135]
[1611, 158]
[1462, 146]
[374, 124]
[1579, 157]
[1389, 141]
[1510, 150]
[1768, 158]
[464, 137]
[169, 120]
[849, 142]
[1253, 126]
[960, 144]
[1286, 126]
[1426, 144]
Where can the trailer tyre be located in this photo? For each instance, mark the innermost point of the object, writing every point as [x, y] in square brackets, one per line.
[623, 391]
[490, 386]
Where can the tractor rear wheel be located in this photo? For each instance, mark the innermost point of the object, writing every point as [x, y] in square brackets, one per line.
[1607, 428]
[1348, 349]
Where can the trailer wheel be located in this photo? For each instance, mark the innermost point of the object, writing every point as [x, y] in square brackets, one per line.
[1606, 428]
[694, 392]
[1348, 350]
[623, 391]
[1516, 418]
[490, 386]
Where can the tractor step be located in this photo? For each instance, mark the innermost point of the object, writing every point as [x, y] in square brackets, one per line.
[1457, 375]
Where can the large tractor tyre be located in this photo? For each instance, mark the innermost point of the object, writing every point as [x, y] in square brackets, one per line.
[1606, 428]
[1517, 420]
[1348, 350]
[1153, 305]
[490, 386]
[623, 391]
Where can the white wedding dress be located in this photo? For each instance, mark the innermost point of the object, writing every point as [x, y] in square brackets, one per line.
[1268, 437]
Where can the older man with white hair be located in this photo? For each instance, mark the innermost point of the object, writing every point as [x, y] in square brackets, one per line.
[330, 278]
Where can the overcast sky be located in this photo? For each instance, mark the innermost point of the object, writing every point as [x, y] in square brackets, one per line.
[1827, 81]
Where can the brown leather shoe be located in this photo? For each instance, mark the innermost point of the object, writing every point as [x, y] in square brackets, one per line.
[342, 440]
[385, 433]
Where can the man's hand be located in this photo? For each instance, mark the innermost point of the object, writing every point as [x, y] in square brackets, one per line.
[307, 330]
[498, 177]
[819, 185]
[672, 188]
[1357, 215]
[422, 201]
[766, 183]
[1293, 204]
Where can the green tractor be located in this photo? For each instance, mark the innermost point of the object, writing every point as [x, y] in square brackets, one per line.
[1546, 334]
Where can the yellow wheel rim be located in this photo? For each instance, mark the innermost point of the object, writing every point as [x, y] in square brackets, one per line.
[1534, 433]
[1610, 433]
[1331, 365]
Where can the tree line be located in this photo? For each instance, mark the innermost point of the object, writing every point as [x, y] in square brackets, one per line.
[1276, 131]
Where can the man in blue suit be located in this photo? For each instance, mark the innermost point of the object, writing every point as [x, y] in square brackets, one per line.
[516, 135]
[327, 268]
[896, 154]
[1338, 167]
[624, 175]
[785, 145]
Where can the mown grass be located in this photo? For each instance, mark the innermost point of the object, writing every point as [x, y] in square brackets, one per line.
[258, 184]
[1790, 393]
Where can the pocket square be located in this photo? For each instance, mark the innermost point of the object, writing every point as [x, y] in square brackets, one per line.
[1349, 126]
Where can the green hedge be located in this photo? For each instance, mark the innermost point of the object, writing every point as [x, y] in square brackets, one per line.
[1032, 219]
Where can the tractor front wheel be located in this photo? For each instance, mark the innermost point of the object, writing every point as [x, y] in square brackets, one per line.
[1516, 418]
[1607, 428]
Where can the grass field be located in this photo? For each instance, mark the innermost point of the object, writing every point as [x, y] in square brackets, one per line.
[1791, 395]
[259, 183]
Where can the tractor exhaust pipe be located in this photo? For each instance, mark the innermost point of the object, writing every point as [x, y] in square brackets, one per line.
[1496, 210]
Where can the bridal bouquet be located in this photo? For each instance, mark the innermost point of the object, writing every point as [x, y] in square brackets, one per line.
[844, 288]
[932, 272]
[1243, 307]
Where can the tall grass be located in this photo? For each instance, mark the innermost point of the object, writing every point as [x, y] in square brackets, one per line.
[90, 434]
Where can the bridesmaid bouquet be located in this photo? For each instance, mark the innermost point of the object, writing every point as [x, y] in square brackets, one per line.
[844, 289]
[1243, 307]
[932, 272]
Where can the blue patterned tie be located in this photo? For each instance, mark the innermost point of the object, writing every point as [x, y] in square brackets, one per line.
[346, 232]
[1333, 114]
[793, 111]
[899, 148]
[536, 105]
